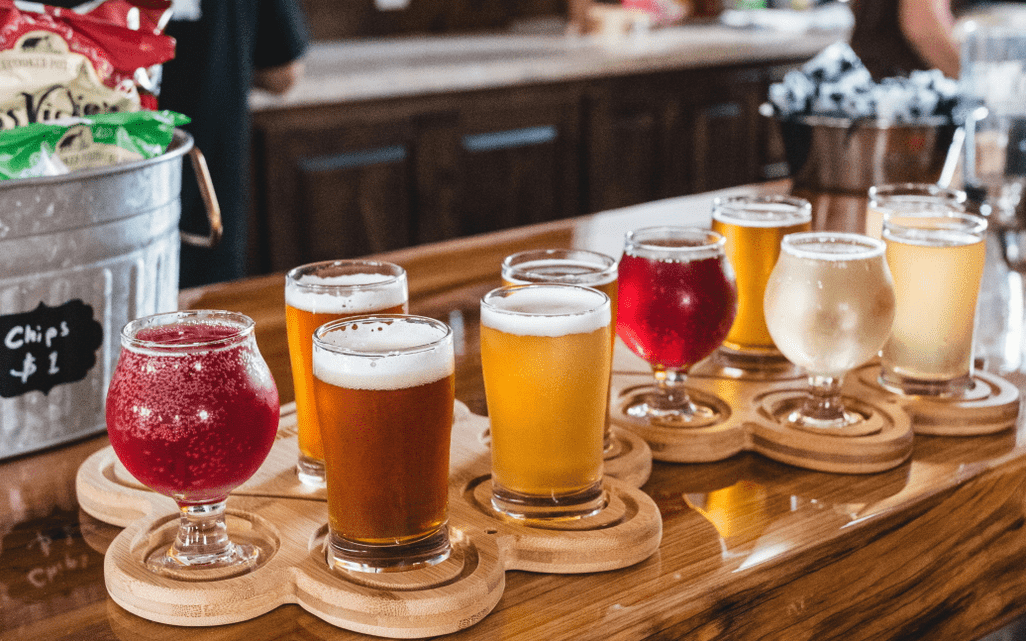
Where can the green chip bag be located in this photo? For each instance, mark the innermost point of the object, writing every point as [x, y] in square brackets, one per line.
[70, 144]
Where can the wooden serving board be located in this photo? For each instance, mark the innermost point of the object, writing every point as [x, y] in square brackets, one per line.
[748, 404]
[288, 521]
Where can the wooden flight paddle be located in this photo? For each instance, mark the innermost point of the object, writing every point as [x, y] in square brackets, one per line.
[288, 522]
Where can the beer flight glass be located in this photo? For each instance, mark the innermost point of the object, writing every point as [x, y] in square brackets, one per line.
[937, 261]
[384, 388]
[677, 303]
[908, 198]
[192, 412]
[546, 360]
[829, 308]
[753, 227]
[569, 267]
[314, 295]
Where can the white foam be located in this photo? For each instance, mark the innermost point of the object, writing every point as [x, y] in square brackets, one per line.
[361, 362]
[833, 246]
[547, 311]
[349, 293]
[763, 215]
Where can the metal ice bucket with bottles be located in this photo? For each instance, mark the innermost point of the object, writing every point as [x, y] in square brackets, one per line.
[80, 255]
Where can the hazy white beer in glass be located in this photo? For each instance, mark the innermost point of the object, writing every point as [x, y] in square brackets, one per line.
[829, 307]
[908, 198]
[314, 295]
[385, 387]
[937, 263]
[545, 356]
[753, 227]
[569, 267]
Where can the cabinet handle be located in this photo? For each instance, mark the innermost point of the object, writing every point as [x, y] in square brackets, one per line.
[723, 110]
[350, 159]
[496, 140]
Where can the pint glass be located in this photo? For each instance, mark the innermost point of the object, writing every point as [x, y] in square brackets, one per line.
[569, 267]
[908, 198]
[385, 387]
[322, 292]
[937, 263]
[753, 227]
[545, 356]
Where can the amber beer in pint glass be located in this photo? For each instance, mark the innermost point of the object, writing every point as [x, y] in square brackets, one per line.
[753, 227]
[314, 295]
[545, 356]
[385, 388]
[937, 263]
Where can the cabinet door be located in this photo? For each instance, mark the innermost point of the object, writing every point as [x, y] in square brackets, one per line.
[725, 131]
[334, 191]
[519, 159]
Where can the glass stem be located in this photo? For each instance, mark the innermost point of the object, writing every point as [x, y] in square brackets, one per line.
[202, 535]
[824, 402]
[672, 395]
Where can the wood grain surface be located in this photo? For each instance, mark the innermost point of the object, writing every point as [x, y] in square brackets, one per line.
[752, 548]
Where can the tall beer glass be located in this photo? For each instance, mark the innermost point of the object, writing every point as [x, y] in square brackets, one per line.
[385, 388]
[829, 308]
[545, 356]
[908, 198]
[937, 262]
[570, 267]
[316, 294]
[753, 227]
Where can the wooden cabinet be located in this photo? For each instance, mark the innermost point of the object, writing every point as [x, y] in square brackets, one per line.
[345, 180]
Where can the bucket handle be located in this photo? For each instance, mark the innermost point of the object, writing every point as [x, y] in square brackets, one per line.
[206, 187]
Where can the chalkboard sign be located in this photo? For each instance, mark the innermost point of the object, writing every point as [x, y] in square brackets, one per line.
[47, 347]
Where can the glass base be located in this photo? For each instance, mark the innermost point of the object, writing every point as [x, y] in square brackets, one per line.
[909, 386]
[310, 471]
[235, 559]
[345, 554]
[580, 504]
[647, 407]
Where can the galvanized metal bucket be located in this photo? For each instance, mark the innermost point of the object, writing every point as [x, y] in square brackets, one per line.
[81, 255]
[839, 155]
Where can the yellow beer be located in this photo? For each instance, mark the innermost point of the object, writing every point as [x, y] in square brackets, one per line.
[314, 295]
[937, 263]
[545, 356]
[753, 227]
[908, 198]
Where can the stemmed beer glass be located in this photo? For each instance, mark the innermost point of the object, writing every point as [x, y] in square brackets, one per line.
[192, 412]
[677, 303]
[829, 308]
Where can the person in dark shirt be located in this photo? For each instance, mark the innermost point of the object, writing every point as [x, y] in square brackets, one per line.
[224, 47]
[895, 37]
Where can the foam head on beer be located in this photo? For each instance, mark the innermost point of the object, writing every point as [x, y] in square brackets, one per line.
[542, 311]
[382, 355]
[344, 293]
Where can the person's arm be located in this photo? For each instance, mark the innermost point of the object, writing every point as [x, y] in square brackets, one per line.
[278, 80]
[929, 25]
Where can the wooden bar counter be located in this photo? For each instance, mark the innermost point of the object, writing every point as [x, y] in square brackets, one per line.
[751, 548]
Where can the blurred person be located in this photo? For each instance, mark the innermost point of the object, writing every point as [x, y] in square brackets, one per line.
[895, 37]
[225, 47]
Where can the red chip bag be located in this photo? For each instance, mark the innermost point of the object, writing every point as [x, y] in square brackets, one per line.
[56, 63]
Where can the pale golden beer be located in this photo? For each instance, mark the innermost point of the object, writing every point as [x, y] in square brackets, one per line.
[570, 267]
[314, 295]
[937, 262]
[545, 356]
[753, 227]
[908, 198]
[385, 388]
